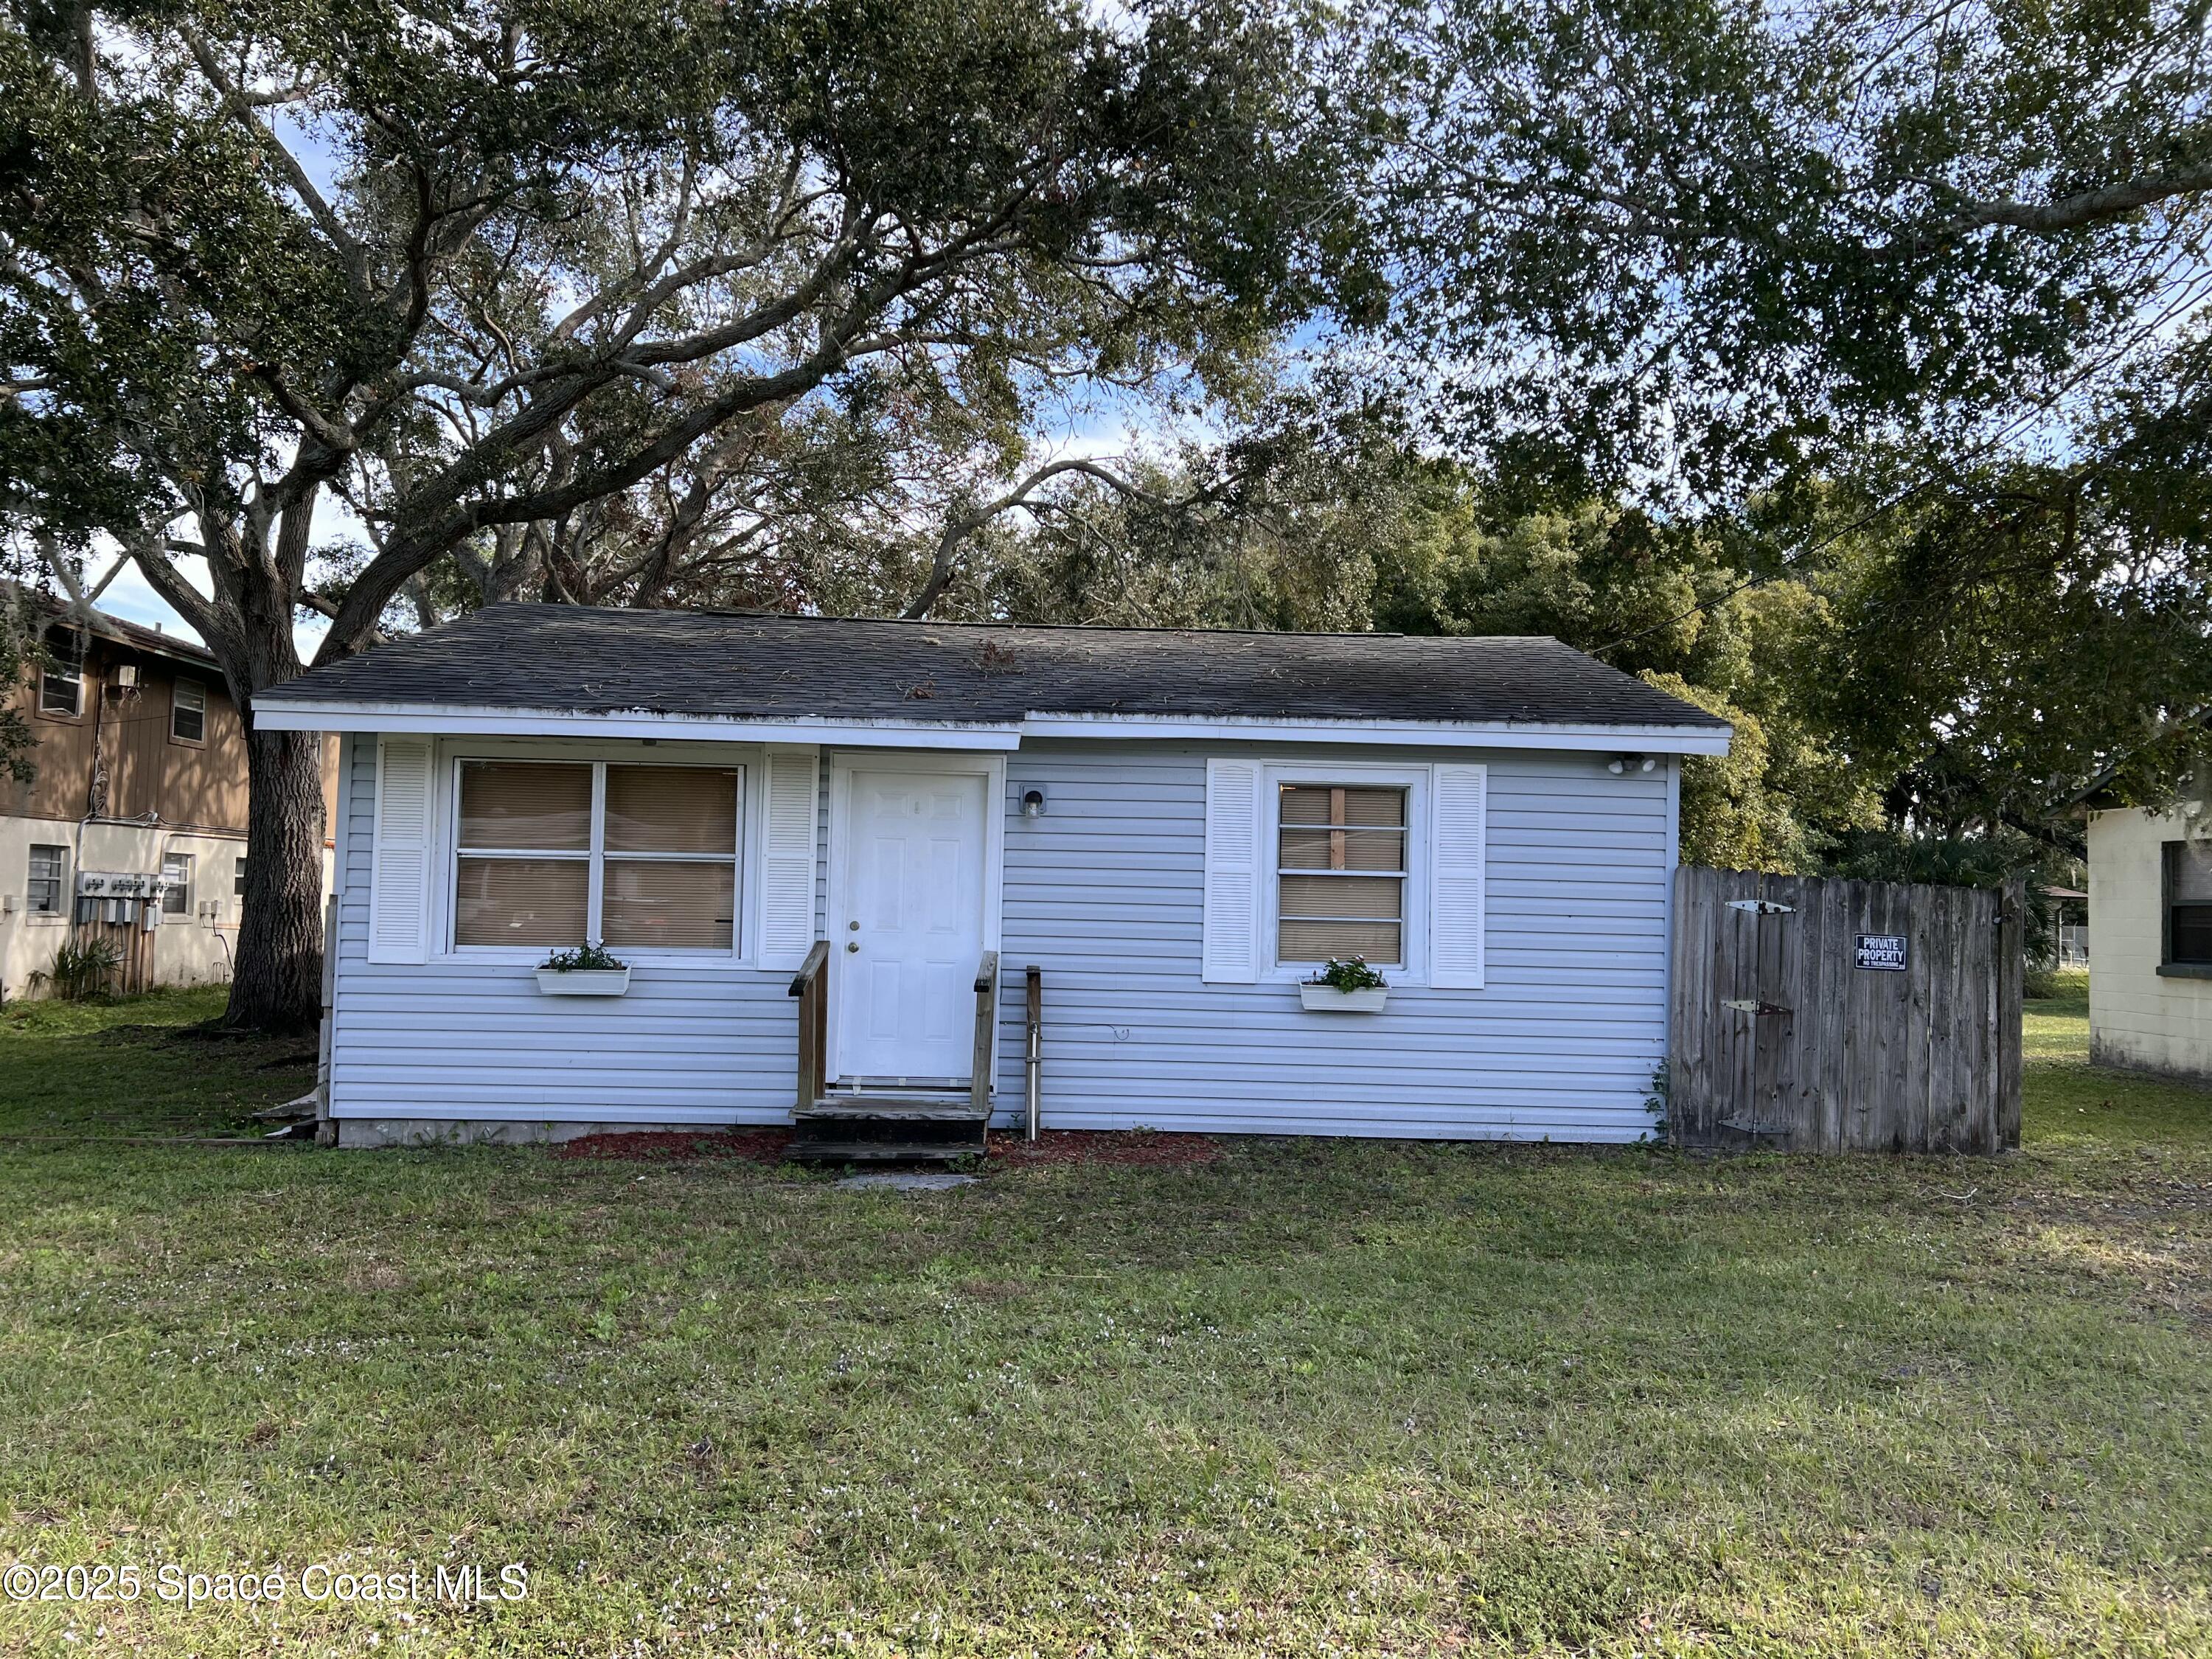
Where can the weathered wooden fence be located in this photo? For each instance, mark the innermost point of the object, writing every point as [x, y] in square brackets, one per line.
[1815, 1014]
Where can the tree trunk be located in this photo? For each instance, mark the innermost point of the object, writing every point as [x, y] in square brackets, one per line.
[277, 984]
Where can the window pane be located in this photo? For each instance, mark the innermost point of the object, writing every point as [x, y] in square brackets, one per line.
[1341, 896]
[1313, 803]
[1343, 849]
[61, 683]
[2188, 873]
[45, 881]
[520, 901]
[1320, 941]
[525, 804]
[665, 905]
[672, 809]
[188, 711]
[2190, 938]
[238, 879]
[177, 871]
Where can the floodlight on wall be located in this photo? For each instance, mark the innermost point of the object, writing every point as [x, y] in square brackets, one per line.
[1033, 802]
[1620, 765]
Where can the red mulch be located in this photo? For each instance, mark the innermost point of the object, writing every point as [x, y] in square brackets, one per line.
[679, 1146]
[1008, 1149]
[1147, 1146]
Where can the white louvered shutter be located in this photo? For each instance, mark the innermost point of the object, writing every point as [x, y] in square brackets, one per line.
[399, 867]
[1234, 871]
[787, 907]
[1456, 854]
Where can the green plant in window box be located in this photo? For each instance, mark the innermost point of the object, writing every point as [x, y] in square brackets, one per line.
[583, 958]
[1348, 974]
[589, 970]
[1345, 985]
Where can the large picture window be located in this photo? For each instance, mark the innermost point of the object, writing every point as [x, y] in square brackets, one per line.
[1340, 872]
[551, 853]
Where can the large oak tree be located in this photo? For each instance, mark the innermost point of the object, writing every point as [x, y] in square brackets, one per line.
[491, 276]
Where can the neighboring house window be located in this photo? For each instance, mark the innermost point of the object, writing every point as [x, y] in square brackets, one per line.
[2188, 904]
[1340, 872]
[551, 853]
[61, 679]
[44, 890]
[177, 884]
[238, 879]
[188, 712]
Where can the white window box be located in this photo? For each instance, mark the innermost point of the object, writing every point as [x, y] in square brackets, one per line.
[1329, 999]
[583, 981]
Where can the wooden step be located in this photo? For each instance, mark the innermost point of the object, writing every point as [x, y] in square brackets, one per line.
[908, 1108]
[878, 1152]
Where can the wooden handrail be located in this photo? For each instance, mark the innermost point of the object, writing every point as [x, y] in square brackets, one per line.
[817, 959]
[810, 985]
[986, 1031]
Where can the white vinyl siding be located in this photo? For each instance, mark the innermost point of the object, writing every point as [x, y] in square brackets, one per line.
[1107, 893]
[458, 1037]
[1561, 871]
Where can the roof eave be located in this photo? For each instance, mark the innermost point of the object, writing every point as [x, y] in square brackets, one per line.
[303, 715]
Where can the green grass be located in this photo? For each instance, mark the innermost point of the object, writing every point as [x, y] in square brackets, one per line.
[1316, 1397]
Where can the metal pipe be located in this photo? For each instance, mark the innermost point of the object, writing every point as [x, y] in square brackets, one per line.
[1033, 1048]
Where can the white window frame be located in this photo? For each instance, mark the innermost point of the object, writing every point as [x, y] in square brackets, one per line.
[74, 679]
[1414, 929]
[183, 890]
[744, 760]
[177, 705]
[61, 910]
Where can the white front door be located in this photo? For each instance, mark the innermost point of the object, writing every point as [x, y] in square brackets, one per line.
[908, 933]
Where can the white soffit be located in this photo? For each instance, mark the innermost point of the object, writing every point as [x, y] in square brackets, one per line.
[278, 714]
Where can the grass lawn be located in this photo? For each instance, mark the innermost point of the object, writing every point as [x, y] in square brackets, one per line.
[1310, 1398]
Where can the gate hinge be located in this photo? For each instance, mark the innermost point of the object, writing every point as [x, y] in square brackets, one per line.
[1746, 1006]
[1763, 907]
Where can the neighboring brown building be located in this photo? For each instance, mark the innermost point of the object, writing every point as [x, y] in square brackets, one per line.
[133, 828]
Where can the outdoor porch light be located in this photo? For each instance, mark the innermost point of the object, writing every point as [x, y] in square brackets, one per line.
[1033, 802]
[1623, 763]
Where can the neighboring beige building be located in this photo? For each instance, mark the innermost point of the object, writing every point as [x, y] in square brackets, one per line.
[2150, 943]
[133, 828]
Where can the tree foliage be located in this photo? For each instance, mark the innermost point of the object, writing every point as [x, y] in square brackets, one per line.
[608, 300]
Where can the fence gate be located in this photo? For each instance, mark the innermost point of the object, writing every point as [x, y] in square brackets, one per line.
[1815, 1014]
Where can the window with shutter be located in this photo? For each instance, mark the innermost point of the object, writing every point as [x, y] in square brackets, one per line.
[1305, 863]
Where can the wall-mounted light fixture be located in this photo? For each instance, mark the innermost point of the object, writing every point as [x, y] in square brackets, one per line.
[1032, 803]
[1621, 764]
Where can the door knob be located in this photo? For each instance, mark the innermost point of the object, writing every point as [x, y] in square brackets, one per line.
[852, 944]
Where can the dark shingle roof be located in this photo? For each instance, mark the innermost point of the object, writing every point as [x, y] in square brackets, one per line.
[573, 657]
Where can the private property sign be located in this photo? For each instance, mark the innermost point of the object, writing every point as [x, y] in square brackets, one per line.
[1884, 952]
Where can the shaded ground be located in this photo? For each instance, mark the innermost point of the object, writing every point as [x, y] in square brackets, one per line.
[1308, 1397]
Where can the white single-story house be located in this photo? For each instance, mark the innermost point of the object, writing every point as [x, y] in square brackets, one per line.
[2150, 942]
[762, 815]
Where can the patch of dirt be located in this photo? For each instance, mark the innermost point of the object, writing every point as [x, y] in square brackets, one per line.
[1145, 1146]
[679, 1146]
